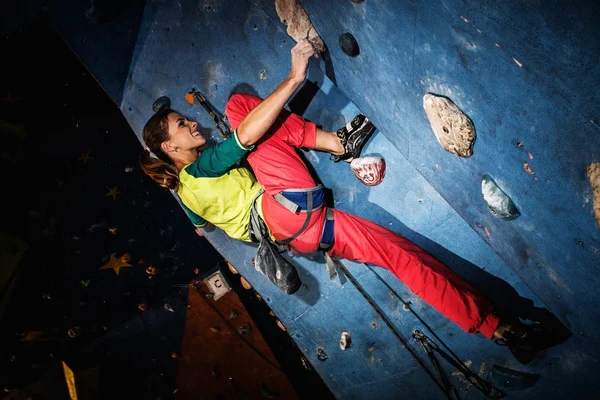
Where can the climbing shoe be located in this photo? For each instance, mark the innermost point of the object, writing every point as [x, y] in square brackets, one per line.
[353, 137]
[525, 344]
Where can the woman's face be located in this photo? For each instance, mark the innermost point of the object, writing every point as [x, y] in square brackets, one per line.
[184, 133]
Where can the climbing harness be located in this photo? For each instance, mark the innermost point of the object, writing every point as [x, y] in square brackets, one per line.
[220, 123]
[307, 201]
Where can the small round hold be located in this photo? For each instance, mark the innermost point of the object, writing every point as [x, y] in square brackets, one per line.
[345, 340]
[349, 45]
[161, 103]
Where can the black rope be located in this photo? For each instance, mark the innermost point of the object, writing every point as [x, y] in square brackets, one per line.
[488, 389]
[390, 325]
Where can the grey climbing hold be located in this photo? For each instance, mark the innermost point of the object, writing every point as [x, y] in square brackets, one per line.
[452, 128]
[162, 102]
[497, 201]
[349, 45]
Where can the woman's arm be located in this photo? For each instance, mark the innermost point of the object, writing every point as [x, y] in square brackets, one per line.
[259, 120]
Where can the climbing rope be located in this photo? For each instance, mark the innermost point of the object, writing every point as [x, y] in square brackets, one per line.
[429, 346]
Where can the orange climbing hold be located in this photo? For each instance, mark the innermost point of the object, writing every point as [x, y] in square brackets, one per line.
[190, 98]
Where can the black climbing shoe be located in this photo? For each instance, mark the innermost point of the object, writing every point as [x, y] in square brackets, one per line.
[526, 344]
[353, 137]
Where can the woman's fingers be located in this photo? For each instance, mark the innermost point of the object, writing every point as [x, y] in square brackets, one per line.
[301, 52]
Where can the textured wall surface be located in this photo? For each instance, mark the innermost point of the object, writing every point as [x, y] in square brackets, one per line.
[524, 73]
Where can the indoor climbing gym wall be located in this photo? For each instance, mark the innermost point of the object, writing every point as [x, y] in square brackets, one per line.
[487, 149]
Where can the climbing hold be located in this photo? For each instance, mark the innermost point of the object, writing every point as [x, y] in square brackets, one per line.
[527, 168]
[321, 355]
[281, 326]
[245, 329]
[161, 103]
[349, 45]
[452, 128]
[245, 283]
[168, 307]
[369, 170]
[593, 173]
[74, 332]
[232, 269]
[345, 340]
[299, 27]
[497, 201]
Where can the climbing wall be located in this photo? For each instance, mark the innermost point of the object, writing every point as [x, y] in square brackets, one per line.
[519, 72]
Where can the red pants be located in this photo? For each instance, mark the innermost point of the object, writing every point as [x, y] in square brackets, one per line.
[278, 167]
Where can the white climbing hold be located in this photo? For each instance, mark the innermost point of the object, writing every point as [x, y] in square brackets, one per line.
[452, 128]
[369, 170]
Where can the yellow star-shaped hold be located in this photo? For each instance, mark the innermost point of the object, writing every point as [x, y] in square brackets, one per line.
[85, 157]
[112, 192]
[116, 264]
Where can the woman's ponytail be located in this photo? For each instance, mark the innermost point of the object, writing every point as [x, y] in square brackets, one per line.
[165, 174]
[160, 169]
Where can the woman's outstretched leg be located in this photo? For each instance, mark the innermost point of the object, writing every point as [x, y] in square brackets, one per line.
[362, 240]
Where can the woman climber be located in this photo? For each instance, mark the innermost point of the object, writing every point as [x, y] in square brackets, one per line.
[214, 188]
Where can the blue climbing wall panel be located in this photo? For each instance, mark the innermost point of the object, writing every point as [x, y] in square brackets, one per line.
[523, 71]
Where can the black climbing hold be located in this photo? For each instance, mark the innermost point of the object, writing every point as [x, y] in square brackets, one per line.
[161, 103]
[349, 45]
[321, 355]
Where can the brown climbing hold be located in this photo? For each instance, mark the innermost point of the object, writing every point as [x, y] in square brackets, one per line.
[593, 173]
[452, 128]
[528, 168]
[281, 326]
[245, 283]
[232, 269]
[215, 328]
[299, 27]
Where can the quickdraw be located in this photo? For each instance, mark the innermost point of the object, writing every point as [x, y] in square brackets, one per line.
[220, 123]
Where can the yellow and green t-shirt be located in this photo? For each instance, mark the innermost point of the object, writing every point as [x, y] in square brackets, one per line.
[214, 189]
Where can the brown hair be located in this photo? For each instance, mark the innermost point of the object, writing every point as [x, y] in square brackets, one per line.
[161, 169]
